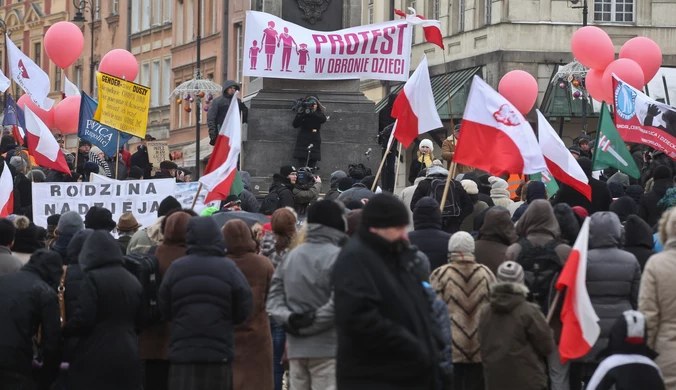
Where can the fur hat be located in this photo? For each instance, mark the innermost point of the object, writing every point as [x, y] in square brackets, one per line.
[99, 218]
[383, 211]
[327, 213]
[70, 223]
[461, 242]
[510, 272]
[168, 204]
[426, 142]
[470, 187]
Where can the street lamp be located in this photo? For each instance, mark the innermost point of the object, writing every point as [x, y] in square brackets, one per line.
[3, 26]
[584, 7]
[80, 20]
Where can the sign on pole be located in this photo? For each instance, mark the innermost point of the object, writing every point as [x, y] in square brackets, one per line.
[122, 105]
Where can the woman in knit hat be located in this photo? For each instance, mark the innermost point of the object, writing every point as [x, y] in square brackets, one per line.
[464, 286]
[515, 337]
[500, 192]
[424, 159]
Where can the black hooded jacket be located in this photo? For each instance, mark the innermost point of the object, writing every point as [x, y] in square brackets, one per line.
[601, 198]
[647, 206]
[28, 300]
[219, 107]
[205, 295]
[638, 239]
[142, 160]
[428, 236]
[624, 207]
[107, 318]
[284, 189]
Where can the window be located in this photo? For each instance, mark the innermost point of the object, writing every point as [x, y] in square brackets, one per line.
[157, 12]
[614, 10]
[489, 12]
[135, 14]
[145, 75]
[37, 53]
[370, 11]
[240, 52]
[155, 86]
[57, 79]
[435, 9]
[145, 14]
[97, 10]
[78, 77]
[179, 25]
[461, 15]
[115, 7]
[202, 26]
[190, 21]
[166, 11]
[214, 16]
[166, 81]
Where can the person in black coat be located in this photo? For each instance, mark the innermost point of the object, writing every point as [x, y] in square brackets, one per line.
[310, 126]
[387, 338]
[653, 160]
[638, 239]
[28, 300]
[205, 295]
[141, 158]
[107, 319]
[282, 184]
[647, 205]
[428, 236]
[624, 207]
[219, 108]
[601, 198]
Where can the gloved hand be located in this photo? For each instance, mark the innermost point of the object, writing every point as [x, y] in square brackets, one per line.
[212, 141]
[304, 320]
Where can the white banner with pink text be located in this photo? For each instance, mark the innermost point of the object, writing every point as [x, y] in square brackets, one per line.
[276, 48]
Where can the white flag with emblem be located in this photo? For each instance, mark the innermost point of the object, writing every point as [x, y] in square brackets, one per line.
[33, 80]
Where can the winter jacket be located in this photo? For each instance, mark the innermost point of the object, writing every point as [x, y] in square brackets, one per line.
[623, 207]
[143, 240]
[647, 206]
[406, 197]
[284, 189]
[495, 236]
[467, 224]
[333, 193]
[601, 198]
[154, 340]
[27, 300]
[358, 192]
[72, 285]
[515, 338]
[109, 313]
[657, 301]
[464, 286]
[459, 193]
[140, 159]
[303, 284]
[121, 168]
[249, 201]
[638, 239]
[613, 276]
[428, 236]
[310, 133]
[659, 158]
[447, 152]
[387, 338]
[302, 197]
[8, 263]
[252, 368]
[205, 295]
[443, 320]
[219, 107]
[419, 163]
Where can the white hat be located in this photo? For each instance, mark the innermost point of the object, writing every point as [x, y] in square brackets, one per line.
[95, 150]
[470, 186]
[461, 242]
[426, 142]
[498, 183]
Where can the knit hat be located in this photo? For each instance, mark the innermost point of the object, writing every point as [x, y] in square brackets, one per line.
[53, 220]
[168, 204]
[470, 187]
[383, 211]
[510, 272]
[36, 175]
[461, 242]
[574, 150]
[661, 172]
[95, 150]
[26, 237]
[426, 142]
[18, 163]
[135, 173]
[70, 223]
[286, 170]
[335, 178]
[437, 162]
[327, 213]
[284, 222]
[168, 165]
[345, 184]
[536, 190]
[99, 218]
[498, 183]
[581, 212]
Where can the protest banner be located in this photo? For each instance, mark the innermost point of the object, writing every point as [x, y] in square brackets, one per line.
[140, 197]
[640, 119]
[158, 151]
[99, 135]
[377, 51]
[122, 105]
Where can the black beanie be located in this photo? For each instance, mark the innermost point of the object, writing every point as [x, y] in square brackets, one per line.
[327, 213]
[168, 204]
[383, 211]
[662, 172]
[345, 184]
[286, 170]
[136, 172]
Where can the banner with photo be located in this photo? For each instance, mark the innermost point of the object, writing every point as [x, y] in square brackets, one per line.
[642, 120]
[276, 48]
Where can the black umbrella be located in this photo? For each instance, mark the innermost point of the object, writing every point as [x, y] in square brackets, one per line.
[249, 218]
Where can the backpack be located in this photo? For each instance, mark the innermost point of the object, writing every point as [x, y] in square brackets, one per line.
[145, 267]
[436, 192]
[270, 203]
[541, 267]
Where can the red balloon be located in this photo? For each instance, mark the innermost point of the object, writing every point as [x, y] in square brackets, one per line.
[64, 43]
[646, 53]
[520, 89]
[592, 47]
[120, 63]
[67, 115]
[594, 83]
[47, 117]
[627, 70]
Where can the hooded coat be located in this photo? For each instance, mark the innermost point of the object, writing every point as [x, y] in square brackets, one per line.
[638, 239]
[428, 236]
[310, 133]
[496, 235]
[143, 240]
[335, 178]
[109, 313]
[358, 191]
[252, 368]
[282, 185]
[27, 300]
[205, 295]
[647, 206]
[613, 277]
[249, 201]
[515, 338]
[219, 107]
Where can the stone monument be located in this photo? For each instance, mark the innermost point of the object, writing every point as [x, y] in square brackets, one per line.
[269, 139]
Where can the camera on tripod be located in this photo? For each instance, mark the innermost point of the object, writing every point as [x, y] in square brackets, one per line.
[304, 106]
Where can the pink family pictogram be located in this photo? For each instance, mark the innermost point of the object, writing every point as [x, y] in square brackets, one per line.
[271, 41]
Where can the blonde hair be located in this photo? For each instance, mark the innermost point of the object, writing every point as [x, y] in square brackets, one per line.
[299, 238]
[667, 226]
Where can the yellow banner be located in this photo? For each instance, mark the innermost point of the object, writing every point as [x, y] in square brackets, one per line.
[122, 105]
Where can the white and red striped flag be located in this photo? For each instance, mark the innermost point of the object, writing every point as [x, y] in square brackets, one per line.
[580, 322]
[431, 28]
[6, 192]
[42, 145]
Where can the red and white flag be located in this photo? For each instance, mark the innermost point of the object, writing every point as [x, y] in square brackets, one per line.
[580, 322]
[560, 162]
[30, 77]
[42, 145]
[495, 137]
[414, 108]
[221, 170]
[6, 192]
[431, 28]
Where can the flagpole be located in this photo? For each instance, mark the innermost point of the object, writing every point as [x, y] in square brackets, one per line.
[451, 174]
[117, 159]
[194, 201]
[450, 105]
[77, 151]
[396, 174]
[380, 168]
[552, 307]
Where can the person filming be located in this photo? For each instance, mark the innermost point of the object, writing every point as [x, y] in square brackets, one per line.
[309, 118]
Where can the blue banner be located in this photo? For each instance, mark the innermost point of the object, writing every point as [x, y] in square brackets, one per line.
[100, 135]
[11, 110]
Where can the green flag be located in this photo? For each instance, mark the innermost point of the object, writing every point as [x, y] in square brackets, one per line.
[237, 185]
[610, 150]
[550, 183]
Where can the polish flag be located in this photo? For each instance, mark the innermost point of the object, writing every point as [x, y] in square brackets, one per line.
[560, 162]
[221, 170]
[580, 322]
[431, 28]
[42, 145]
[414, 108]
[6, 192]
[495, 137]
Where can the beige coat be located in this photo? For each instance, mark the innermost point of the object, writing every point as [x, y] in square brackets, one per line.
[657, 301]
[406, 197]
[447, 152]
